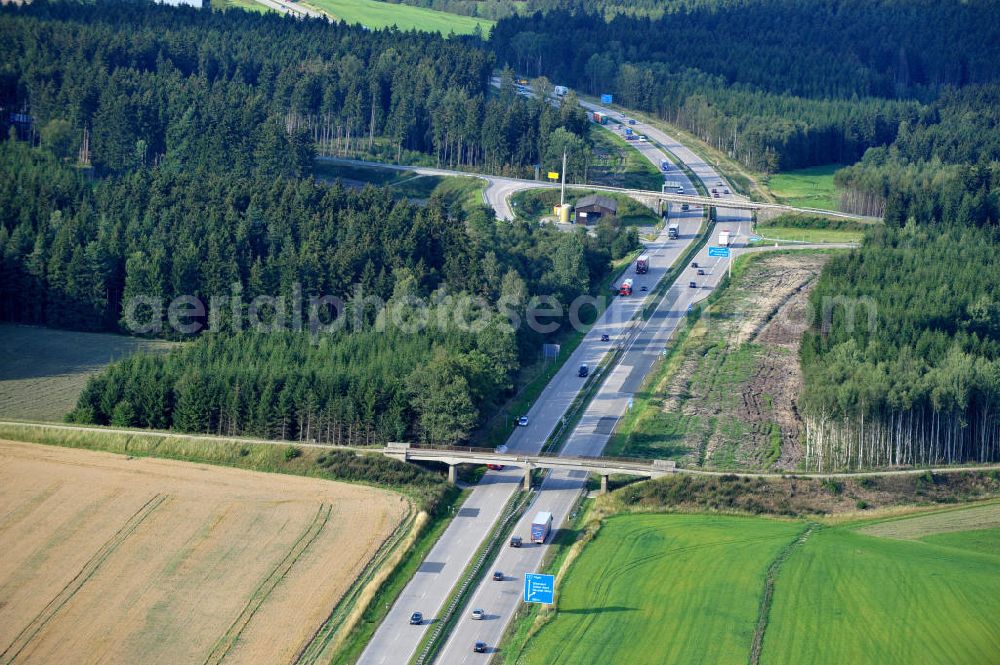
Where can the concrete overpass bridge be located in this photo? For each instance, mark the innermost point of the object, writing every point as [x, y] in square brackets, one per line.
[602, 466]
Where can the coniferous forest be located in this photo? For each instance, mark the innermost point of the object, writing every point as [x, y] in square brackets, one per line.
[201, 129]
[197, 131]
[779, 85]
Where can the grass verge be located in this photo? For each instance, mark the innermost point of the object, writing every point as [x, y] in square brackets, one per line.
[618, 164]
[427, 489]
[389, 590]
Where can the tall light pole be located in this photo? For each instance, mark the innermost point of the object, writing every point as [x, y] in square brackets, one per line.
[562, 190]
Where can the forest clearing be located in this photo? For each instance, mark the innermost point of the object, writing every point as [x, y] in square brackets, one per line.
[726, 399]
[148, 560]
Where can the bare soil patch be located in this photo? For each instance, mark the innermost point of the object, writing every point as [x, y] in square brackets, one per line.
[109, 558]
[735, 390]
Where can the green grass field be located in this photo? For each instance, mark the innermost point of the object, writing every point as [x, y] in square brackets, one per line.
[807, 188]
[247, 5]
[847, 597]
[683, 588]
[42, 370]
[374, 14]
[788, 234]
[663, 589]
[405, 184]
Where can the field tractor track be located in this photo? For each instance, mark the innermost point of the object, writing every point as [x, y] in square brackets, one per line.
[269, 583]
[608, 582]
[767, 597]
[313, 651]
[28, 633]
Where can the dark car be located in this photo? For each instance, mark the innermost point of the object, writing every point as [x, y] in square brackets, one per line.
[694, 264]
[631, 121]
[715, 191]
[693, 285]
[701, 271]
[605, 338]
[716, 195]
[495, 467]
[497, 576]
[725, 191]
[584, 370]
[479, 647]
[515, 541]
[644, 288]
[416, 619]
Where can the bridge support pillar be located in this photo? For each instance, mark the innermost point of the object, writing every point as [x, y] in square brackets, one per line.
[453, 473]
[527, 478]
[604, 484]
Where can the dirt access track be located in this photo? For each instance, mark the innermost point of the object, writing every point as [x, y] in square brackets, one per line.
[114, 559]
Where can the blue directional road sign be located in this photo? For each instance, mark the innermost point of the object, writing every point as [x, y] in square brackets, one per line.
[539, 588]
[719, 251]
[606, 99]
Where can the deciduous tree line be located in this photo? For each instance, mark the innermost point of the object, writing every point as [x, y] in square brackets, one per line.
[922, 384]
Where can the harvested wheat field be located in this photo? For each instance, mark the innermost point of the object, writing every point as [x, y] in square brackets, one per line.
[114, 559]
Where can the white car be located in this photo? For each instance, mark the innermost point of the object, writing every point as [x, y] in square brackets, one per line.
[522, 421]
[478, 614]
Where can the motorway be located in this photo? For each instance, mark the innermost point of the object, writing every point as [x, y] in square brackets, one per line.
[395, 641]
[561, 489]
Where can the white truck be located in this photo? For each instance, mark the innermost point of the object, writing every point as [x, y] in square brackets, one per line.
[724, 238]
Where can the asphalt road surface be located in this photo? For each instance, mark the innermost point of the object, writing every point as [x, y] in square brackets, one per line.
[396, 641]
[561, 489]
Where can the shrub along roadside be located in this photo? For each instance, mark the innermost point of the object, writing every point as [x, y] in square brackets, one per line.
[797, 497]
[428, 490]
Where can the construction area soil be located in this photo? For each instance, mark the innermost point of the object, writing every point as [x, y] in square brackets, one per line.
[730, 401]
[113, 559]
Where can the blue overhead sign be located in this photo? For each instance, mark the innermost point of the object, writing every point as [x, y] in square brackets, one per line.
[719, 251]
[539, 588]
[605, 99]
